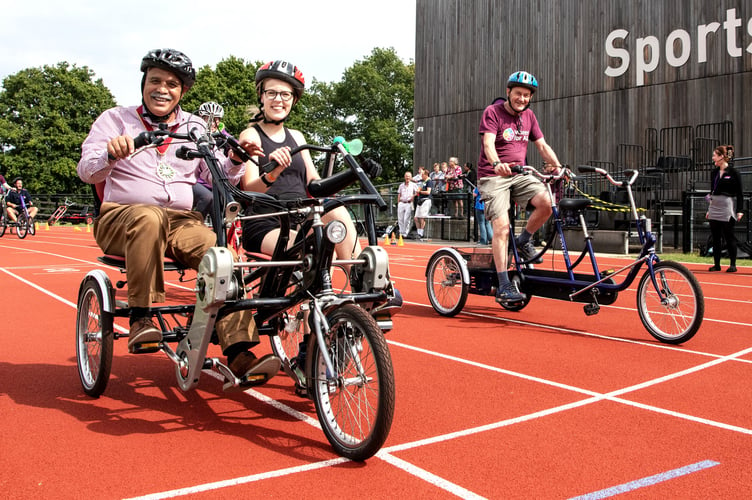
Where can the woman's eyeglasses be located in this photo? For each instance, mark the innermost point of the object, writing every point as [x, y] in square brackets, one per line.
[272, 94]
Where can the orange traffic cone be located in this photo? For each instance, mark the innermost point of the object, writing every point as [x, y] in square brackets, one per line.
[400, 243]
[76, 229]
[46, 226]
[394, 241]
[88, 228]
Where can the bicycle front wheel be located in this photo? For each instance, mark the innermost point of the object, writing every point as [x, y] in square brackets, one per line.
[447, 292]
[94, 339]
[22, 227]
[355, 405]
[32, 227]
[673, 313]
[3, 223]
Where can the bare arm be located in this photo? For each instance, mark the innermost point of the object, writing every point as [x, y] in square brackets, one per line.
[546, 152]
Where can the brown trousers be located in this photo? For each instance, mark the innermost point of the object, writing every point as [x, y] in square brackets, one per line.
[144, 235]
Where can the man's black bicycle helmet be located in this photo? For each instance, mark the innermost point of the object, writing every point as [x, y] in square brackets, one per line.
[281, 70]
[171, 60]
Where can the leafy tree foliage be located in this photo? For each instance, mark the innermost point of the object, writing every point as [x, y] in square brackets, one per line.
[45, 115]
[230, 84]
[375, 101]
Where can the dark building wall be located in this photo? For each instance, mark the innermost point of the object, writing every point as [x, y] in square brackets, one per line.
[466, 49]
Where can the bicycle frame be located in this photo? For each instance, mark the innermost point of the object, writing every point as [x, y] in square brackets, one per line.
[219, 287]
[595, 278]
[60, 211]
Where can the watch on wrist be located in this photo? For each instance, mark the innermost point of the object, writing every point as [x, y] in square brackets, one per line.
[266, 181]
[495, 163]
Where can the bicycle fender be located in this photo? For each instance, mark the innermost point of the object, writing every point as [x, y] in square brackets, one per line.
[105, 286]
[463, 263]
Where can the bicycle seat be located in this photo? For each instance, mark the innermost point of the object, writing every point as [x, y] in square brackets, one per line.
[574, 204]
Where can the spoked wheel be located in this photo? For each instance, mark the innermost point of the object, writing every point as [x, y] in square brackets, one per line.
[355, 405]
[22, 226]
[3, 223]
[672, 314]
[94, 339]
[32, 227]
[446, 289]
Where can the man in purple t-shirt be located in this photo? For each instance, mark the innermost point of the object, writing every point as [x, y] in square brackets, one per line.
[506, 127]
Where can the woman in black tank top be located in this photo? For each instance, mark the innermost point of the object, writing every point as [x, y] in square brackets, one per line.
[279, 86]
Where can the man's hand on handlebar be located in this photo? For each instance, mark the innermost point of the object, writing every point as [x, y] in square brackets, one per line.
[120, 147]
[503, 169]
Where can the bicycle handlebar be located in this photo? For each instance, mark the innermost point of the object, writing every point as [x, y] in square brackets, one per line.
[327, 186]
[564, 171]
[632, 175]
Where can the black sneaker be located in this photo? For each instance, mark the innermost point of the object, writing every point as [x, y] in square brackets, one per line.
[527, 251]
[509, 294]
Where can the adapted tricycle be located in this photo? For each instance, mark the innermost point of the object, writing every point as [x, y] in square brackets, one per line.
[330, 342]
[669, 298]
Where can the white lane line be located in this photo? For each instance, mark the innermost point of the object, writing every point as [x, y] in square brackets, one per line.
[425, 475]
[428, 477]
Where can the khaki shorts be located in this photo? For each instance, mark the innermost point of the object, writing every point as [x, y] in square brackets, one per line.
[496, 191]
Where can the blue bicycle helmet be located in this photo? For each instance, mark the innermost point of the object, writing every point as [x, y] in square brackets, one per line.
[522, 79]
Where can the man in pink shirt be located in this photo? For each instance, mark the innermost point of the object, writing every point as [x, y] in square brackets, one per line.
[146, 205]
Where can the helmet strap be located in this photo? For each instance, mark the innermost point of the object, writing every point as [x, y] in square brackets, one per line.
[156, 118]
[261, 116]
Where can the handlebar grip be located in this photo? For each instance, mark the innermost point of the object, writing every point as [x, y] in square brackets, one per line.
[143, 139]
[517, 169]
[583, 169]
[268, 167]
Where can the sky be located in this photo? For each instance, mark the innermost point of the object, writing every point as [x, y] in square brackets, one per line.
[322, 37]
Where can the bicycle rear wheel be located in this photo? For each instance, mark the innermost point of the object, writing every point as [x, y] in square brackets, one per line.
[355, 405]
[3, 222]
[674, 312]
[94, 339]
[447, 292]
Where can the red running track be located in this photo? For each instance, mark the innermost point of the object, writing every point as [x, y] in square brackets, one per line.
[542, 403]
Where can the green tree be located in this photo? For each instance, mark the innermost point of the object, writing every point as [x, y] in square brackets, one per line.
[45, 115]
[230, 84]
[374, 101]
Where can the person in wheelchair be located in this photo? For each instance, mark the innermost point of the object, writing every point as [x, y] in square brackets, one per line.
[279, 85]
[13, 201]
[146, 205]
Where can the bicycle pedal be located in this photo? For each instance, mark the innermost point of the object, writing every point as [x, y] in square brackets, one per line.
[607, 272]
[591, 309]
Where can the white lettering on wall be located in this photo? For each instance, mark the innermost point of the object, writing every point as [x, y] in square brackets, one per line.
[618, 53]
[703, 31]
[678, 47]
[672, 58]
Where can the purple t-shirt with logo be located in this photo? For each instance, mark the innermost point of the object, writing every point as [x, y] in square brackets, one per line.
[512, 136]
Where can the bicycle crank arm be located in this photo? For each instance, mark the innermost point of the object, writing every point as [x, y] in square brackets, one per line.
[213, 285]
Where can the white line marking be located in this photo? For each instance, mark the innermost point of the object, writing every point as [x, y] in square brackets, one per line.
[386, 453]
